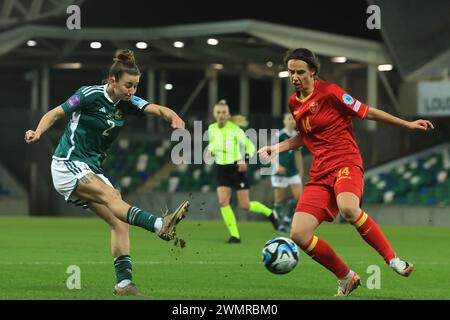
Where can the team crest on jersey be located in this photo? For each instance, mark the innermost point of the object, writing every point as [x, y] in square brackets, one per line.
[313, 106]
[118, 115]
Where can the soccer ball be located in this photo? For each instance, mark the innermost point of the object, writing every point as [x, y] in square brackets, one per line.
[280, 255]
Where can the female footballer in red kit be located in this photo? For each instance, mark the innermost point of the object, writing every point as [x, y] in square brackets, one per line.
[323, 113]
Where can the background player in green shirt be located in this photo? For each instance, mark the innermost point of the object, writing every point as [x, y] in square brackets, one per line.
[97, 114]
[226, 141]
[289, 173]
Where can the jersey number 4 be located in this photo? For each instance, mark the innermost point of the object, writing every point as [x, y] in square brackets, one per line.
[111, 125]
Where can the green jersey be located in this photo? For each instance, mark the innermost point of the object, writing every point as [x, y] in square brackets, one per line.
[225, 143]
[287, 159]
[95, 122]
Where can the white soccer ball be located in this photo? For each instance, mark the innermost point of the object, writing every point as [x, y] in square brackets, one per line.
[280, 255]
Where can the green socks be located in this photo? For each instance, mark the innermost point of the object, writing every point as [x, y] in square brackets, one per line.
[278, 208]
[141, 218]
[230, 221]
[292, 204]
[257, 206]
[122, 265]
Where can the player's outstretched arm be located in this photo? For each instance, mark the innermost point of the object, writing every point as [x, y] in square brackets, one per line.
[168, 114]
[270, 152]
[379, 115]
[46, 122]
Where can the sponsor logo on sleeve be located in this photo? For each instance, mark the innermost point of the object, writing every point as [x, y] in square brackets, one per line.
[138, 102]
[347, 99]
[74, 101]
[357, 106]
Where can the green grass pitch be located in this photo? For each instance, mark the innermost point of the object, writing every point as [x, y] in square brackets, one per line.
[36, 253]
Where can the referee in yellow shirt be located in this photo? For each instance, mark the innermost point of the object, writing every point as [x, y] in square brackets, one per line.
[226, 139]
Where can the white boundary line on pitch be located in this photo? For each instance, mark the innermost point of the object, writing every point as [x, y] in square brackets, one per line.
[179, 262]
[133, 262]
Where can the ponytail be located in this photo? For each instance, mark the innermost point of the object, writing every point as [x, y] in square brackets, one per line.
[124, 62]
[239, 120]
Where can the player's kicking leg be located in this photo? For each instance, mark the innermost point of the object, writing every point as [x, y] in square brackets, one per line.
[92, 188]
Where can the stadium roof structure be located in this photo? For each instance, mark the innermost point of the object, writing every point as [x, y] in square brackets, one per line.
[19, 12]
[242, 43]
[419, 50]
[417, 35]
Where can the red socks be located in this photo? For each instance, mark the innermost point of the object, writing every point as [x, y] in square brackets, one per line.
[321, 252]
[372, 234]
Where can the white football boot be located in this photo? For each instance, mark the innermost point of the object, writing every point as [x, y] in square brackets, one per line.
[401, 267]
[349, 283]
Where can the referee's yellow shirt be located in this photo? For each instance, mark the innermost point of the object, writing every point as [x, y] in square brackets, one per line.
[229, 143]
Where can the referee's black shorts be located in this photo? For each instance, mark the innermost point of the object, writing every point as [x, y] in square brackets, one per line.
[229, 176]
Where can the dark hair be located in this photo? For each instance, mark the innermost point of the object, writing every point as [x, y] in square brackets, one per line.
[124, 62]
[304, 55]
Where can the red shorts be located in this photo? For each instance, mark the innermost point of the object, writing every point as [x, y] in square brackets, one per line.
[319, 196]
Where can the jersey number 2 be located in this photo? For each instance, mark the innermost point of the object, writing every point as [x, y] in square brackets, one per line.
[111, 125]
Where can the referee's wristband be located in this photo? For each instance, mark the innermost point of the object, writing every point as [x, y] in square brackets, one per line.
[247, 158]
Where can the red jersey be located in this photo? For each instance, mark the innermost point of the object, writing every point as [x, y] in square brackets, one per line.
[324, 121]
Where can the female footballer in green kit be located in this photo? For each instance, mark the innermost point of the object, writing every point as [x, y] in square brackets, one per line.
[97, 114]
[289, 173]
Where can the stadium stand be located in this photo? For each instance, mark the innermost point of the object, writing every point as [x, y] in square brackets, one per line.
[9, 185]
[3, 190]
[12, 194]
[419, 179]
[200, 178]
[130, 163]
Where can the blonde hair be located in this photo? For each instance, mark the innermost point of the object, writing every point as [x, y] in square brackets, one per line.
[287, 115]
[237, 119]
